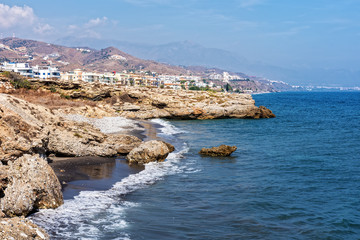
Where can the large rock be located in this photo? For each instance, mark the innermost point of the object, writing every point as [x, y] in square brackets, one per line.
[260, 112]
[76, 139]
[19, 228]
[151, 151]
[29, 129]
[222, 150]
[27, 184]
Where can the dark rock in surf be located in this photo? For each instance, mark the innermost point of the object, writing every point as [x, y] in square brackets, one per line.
[221, 151]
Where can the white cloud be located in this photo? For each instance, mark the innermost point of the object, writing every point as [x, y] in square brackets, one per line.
[43, 28]
[95, 22]
[16, 16]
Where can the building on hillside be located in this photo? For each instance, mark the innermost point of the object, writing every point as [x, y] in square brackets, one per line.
[75, 75]
[23, 69]
[46, 72]
[90, 77]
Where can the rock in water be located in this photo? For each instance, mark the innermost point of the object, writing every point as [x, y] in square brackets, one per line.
[222, 150]
[151, 151]
[20, 228]
[260, 112]
[27, 184]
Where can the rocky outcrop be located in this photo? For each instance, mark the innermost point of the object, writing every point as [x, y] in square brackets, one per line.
[20, 228]
[260, 112]
[222, 150]
[75, 139]
[28, 128]
[147, 102]
[151, 151]
[27, 184]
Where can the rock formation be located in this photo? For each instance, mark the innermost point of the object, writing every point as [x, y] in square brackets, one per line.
[28, 128]
[147, 102]
[222, 150]
[20, 228]
[27, 184]
[151, 151]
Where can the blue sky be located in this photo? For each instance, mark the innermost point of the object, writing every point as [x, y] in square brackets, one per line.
[307, 33]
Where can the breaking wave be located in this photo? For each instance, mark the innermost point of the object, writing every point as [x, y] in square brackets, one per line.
[102, 214]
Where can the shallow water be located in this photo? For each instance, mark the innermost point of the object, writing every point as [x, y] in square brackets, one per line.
[292, 177]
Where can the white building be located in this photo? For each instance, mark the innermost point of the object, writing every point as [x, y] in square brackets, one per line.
[23, 69]
[45, 72]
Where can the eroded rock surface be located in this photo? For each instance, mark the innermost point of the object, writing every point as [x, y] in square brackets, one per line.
[222, 150]
[147, 103]
[19, 228]
[28, 128]
[28, 183]
[151, 151]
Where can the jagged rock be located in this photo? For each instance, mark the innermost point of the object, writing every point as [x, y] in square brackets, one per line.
[151, 151]
[20, 228]
[147, 103]
[82, 139]
[260, 112]
[27, 129]
[27, 184]
[222, 150]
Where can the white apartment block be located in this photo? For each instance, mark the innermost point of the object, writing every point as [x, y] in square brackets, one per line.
[23, 69]
[46, 72]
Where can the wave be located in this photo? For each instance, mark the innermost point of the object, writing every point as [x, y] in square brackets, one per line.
[166, 127]
[102, 214]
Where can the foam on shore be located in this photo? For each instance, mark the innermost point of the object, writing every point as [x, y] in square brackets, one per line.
[101, 214]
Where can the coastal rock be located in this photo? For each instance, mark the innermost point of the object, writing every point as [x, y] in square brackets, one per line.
[151, 151]
[82, 139]
[28, 129]
[20, 128]
[27, 184]
[20, 228]
[222, 150]
[130, 107]
[260, 112]
[147, 103]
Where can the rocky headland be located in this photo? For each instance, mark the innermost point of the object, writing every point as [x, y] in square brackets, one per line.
[149, 102]
[33, 125]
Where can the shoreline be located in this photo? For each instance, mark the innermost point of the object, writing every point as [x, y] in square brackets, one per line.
[98, 173]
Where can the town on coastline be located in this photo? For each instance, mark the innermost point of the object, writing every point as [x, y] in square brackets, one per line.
[214, 81]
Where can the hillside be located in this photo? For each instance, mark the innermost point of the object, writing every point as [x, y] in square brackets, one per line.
[112, 59]
[67, 58]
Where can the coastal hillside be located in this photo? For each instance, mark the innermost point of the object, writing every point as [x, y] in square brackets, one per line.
[111, 59]
[67, 58]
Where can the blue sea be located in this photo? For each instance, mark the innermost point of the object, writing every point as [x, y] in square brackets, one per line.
[296, 176]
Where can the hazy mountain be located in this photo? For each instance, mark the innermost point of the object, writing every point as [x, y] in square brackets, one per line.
[67, 58]
[188, 53]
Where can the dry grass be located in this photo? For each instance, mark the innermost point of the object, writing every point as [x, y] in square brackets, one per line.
[47, 98]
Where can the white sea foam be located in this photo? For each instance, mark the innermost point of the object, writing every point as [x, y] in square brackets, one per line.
[166, 127]
[108, 124]
[92, 214]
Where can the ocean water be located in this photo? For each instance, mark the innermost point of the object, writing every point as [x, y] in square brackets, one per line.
[296, 176]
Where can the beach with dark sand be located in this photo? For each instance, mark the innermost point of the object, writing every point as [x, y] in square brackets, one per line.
[92, 173]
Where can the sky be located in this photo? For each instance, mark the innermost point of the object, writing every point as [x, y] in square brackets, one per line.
[286, 33]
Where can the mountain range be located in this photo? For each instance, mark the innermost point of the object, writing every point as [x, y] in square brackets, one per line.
[187, 53]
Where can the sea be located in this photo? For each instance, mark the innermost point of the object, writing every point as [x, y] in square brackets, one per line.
[296, 176]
